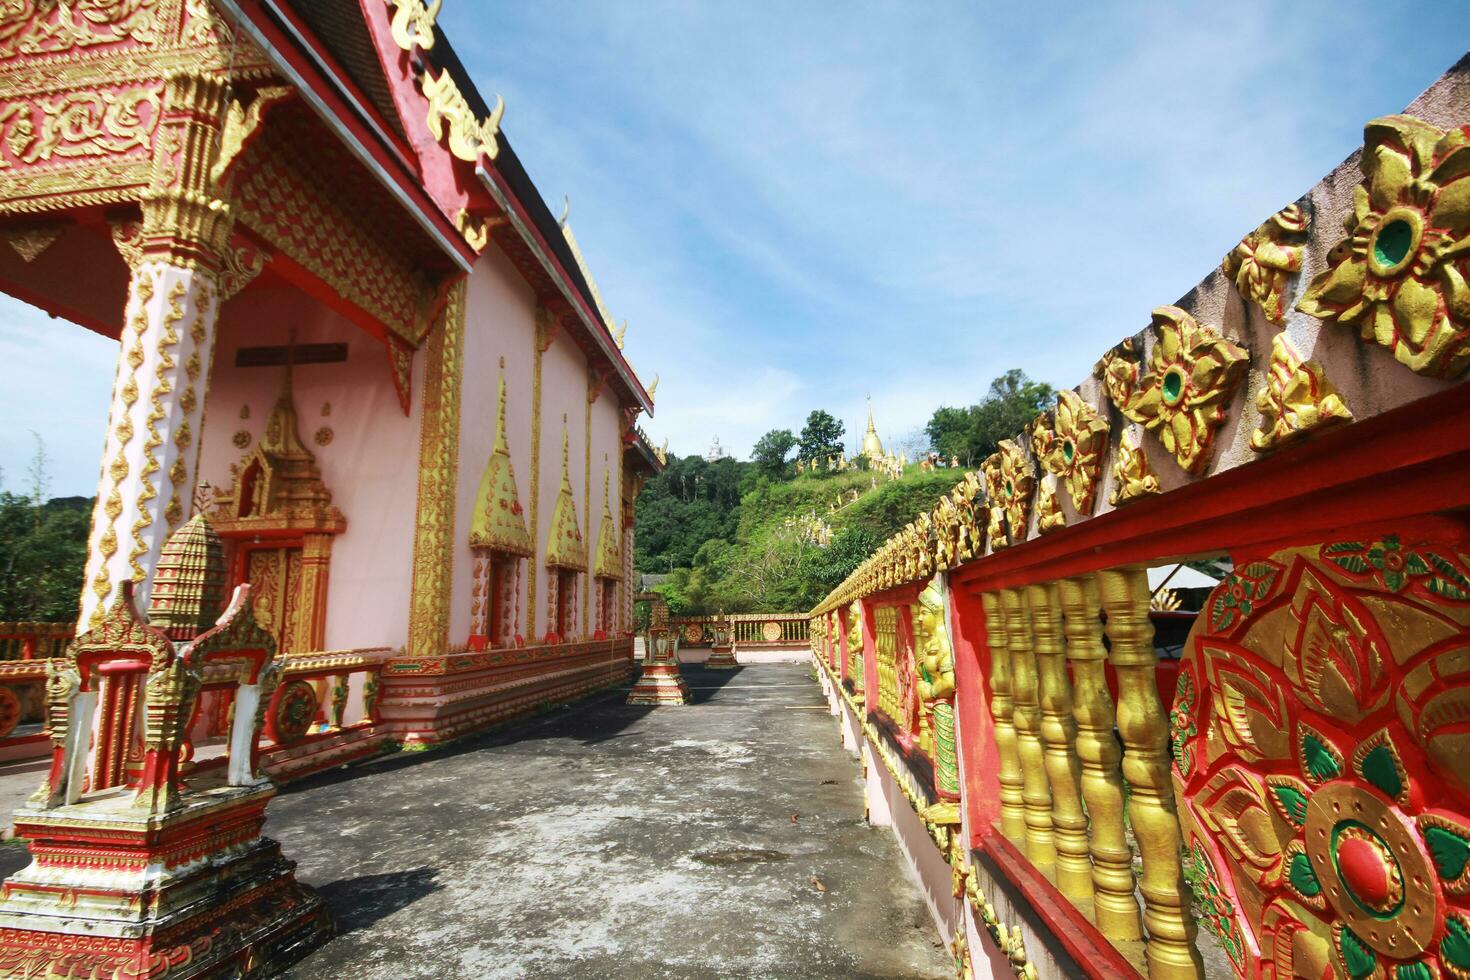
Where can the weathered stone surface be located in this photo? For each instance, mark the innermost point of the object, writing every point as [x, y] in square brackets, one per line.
[579, 844]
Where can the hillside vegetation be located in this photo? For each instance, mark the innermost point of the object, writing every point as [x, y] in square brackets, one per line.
[738, 537]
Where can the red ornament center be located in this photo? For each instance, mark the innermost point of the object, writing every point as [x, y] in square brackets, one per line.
[1363, 870]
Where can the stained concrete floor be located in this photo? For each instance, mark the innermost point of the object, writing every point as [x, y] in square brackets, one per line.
[607, 841]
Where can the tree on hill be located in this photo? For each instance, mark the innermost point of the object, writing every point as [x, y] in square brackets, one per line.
[821, 436]
[974, 432]
[771, 450]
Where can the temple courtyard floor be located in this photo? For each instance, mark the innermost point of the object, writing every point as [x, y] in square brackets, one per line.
[721, 839]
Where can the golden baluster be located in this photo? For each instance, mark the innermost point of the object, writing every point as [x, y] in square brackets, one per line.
[1002, 713]
[1142, 724]
[1059, 736]
[1114, 904]
[1035, 791]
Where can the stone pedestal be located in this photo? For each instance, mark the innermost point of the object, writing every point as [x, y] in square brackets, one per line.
[661, 681]
[115, 891]
[143, 863]
[722, 650]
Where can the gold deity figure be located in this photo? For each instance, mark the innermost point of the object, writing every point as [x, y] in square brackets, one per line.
[937, 686]
[855, 647]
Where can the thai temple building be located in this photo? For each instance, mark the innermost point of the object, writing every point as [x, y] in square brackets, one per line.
[366, 382]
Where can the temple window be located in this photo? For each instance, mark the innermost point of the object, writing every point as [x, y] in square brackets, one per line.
[566, 559]
[607, 567]
[499, 544]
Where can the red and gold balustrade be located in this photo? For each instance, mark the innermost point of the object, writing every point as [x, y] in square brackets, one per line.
[748, 630]
[1297, 803]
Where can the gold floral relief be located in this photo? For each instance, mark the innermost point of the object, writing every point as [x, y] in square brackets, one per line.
[1399, 276]
[1260, 265]
[1185, 394]
[1081, 447]
[1132, 477]
[1296, 398]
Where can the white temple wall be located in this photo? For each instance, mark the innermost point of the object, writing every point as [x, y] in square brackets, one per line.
[370, 463]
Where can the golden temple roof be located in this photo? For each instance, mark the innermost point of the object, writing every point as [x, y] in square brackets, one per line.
[498, 521]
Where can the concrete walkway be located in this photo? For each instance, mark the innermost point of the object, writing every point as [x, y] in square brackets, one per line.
[722, 839]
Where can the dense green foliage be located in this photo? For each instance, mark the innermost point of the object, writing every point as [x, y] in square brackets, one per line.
[43, 554]
[972, 433]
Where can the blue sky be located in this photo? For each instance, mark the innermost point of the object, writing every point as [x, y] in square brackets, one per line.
[796, 204]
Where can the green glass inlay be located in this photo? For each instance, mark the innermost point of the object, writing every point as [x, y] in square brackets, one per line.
[1068, 450]
[1294, 802]
[1379, 769]
[1418, 970]
[1455, 946]
[1320, 761]
[1393, 242]
[1173, 385]
[1356, 955]
[1449, 850]
[1303, 878]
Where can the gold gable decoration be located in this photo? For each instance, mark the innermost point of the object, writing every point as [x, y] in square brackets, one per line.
[608, 562]
[566, 548]
[499, 522]
[278, 485]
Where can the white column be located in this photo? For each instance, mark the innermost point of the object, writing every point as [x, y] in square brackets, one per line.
[148, 467]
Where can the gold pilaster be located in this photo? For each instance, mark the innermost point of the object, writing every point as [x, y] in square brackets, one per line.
[1002, 712]
[592, 393]
[1059, 736]
[433, 546]
[1025, 696]
[1115, 907]
[1141, 723]
[545, 332]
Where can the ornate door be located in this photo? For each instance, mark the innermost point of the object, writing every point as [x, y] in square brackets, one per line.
[274, 574]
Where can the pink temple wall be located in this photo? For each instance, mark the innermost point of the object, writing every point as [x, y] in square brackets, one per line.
[563, 390]
[500, 321]
[606, 441]
[370, 464]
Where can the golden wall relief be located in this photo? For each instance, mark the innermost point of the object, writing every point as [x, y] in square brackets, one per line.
[1319, 751]
[274, 575]
[80, 88]
[30, 27]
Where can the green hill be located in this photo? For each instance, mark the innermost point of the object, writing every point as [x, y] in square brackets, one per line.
[733, 536]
